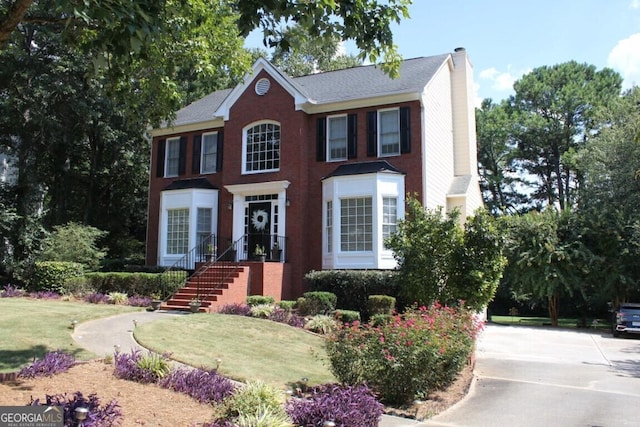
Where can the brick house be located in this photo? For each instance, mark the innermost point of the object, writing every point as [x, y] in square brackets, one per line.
[318, 164]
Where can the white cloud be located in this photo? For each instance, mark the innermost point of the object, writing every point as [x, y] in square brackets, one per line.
[635, 4]
[500, 81]
[625, 58]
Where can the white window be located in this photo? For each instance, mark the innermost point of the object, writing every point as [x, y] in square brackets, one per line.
[262, 148]
[389, 128]
[329, 229]
[178, 231]
[389, 216]
[337, 140]
[208, 163]
[203, 228]
[356, 224]
[172, 157]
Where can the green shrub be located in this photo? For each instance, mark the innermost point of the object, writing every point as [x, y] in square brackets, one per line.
[252, 400]
[264, 417]
[118, 298]
[353, 287]
[287, 305]
[259, 299]
[262, 311]
[317, 302]
[380, 319]
[163, 284]
[75, 242]
[381, 304]
[77, 286]
[415, 354]
[159, 366]
[321, 324]
[52, 275]
[347, 316]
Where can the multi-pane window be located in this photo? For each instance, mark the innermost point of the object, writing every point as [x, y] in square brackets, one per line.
[329, 229]
[389, 127]
[356, 224]
[389, 216]
[262, 148]
[178, 231]
[203, 229]
[209, 153]
[337, 140]
[172, 157]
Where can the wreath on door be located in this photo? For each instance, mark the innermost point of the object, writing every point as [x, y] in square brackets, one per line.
[259, 219]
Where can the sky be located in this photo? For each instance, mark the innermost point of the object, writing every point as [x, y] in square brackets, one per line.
[506, 39]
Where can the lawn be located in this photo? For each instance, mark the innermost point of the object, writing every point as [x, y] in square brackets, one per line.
[563, 322]
[32, 327]
[244, 347]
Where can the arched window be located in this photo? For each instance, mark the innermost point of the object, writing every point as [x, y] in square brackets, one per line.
[261, 148]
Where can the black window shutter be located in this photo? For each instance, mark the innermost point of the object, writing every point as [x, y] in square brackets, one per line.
[219, 151]
[352, 136]
[195, 158]
[405, 130]
[160, 158]
[182, 165]
[321, 144]
[372, 133]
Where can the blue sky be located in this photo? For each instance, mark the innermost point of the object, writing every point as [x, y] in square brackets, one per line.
[508, 38]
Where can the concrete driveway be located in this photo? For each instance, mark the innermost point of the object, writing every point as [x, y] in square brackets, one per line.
[547, 377]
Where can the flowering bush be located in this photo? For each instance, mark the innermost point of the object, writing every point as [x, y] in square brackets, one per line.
[96, 298]
[407, 357]
[51, 364]
[353, 406]
[204, 386]
[45, 295]
[12, 292]
[98, 416]
[138, 301]
[238, 309]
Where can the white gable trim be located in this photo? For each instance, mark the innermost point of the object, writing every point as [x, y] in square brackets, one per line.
[261, 65]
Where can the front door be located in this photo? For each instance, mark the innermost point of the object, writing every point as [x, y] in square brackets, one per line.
[259, 227]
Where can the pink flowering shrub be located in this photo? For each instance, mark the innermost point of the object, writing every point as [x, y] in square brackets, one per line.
[407, 357]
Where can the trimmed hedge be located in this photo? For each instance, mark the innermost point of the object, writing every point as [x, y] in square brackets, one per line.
[253, 300]
[136, 283]
[313, 303]
[52, 275]
[381, 304]
[353, 287]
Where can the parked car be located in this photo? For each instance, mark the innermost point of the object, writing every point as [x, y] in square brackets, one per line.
[627, 319]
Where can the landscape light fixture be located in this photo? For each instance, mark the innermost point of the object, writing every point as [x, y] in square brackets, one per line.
[81, 414]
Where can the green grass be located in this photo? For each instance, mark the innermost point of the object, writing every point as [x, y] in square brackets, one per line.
[563, 322]
[31, 327]
[248, 348]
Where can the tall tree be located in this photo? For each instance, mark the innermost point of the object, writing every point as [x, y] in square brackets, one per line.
[501, 179]
[308, 55]
[556, 109]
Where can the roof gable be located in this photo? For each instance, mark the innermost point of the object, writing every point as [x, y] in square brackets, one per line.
[357, 83]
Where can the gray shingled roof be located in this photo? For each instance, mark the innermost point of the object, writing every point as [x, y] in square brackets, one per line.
[334, 86]
[364, 168]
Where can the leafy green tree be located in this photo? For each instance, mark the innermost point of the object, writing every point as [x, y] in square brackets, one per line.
[75, 242]
[547, 257]
[122, 27]
[439, 261]
[501, 179]
[556, 111]
[308, 55]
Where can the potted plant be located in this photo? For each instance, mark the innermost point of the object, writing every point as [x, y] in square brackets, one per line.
[211, 252]
[259, 253]
[276, 252]
[194, 305]
[156, 300]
